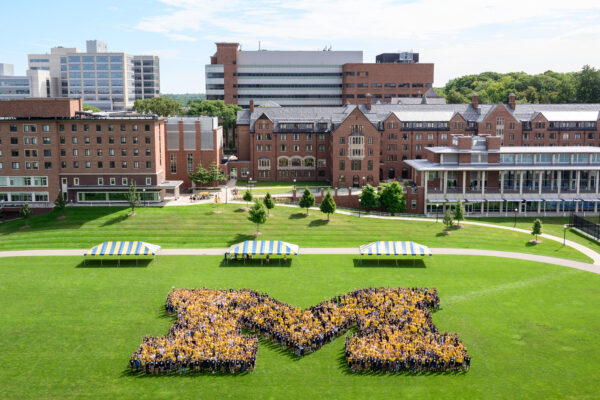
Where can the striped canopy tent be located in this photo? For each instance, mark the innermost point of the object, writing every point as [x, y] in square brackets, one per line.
[123, 248]
[394, 248]
[262, 247]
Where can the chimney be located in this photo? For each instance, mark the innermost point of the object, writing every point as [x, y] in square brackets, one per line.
[512, 101]
[475, 100]
[251, 106]
[368, 105]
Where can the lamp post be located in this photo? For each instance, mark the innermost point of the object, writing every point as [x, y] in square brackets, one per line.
[564, 234]
[437, 210]
[250, 183]
[516, 209]
[294, 183]
[364, 181]
[144, 196]
[359, 201]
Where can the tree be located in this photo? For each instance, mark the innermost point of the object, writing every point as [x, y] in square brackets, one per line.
[369, 198]
[214, 174]
[448, 221]
[87, 107]
[258, 215]
[25, 212]
[536, 229]
[268, 201]
[588, 85]
[307, 200]
[162, 106]
[133, 197]
[247, 197]
[200, 176]
[60, 203]
[392, 198]
[227, 113]
[328, 204]
[459, 212]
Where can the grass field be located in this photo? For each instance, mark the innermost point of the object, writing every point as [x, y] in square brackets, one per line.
[550, 225]
[67, 331]
[289, 184]
[198, 227]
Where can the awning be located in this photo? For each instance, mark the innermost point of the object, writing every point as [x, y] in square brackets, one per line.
[264, 247]
[474, 200]
[553, 199]
[128, 248]
[436, 200]
[389, 248]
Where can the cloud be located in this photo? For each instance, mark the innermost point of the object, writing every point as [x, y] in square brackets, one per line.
[181, 37]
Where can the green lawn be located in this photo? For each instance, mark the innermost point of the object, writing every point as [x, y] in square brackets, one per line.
[550, 225]
[198, 227]
[67, 331]
[289, 184]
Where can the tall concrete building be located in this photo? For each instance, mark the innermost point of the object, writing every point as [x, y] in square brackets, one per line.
[312, 78]
[107, 80]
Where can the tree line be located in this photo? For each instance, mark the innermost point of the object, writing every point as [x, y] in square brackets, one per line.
[550, 87]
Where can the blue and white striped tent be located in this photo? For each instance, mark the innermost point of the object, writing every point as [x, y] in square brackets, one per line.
[123, 248]
[391, 248]
[263, 247]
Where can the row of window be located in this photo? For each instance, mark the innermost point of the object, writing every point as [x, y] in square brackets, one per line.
[283, 147]
[355, 165]
[554, 136]
[88, 152]
[28, 140]
[546, 158]
[29, 165]
[387, 85]
[24, 181]
[25, 196]
[32, 128]
[113, 181]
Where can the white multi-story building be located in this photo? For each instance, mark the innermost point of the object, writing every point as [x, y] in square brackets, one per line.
[107, 80]
[286, 77]
[11, 86]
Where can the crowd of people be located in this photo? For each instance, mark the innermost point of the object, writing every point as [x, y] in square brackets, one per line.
[395, 331]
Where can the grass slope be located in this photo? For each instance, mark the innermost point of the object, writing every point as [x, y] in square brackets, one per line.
[67, 331]
[198, 227]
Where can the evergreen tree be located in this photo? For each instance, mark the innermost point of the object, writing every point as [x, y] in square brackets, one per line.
[60, 203]
[392, 198]
[369, 198]
[133, 196]
[200, 177]
[268, 202]
[25, 212]
[459, 211]
[448, 221]
[214, 174]
[307, 200]
[247, 197]
[328, 204]
[536, 229]
[258, 214]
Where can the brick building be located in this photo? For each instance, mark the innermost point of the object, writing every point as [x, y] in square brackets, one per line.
[49, 146]
[312, 78]
[352, 144]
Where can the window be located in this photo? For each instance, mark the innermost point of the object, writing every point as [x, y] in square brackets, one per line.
[418, 147]
[111, 152]
[147, 127]
[444, 136]
[173, 164]
[98, 128]
[565, 136]
[488, 125]
[321, 163]
[321, 147]
[355, 165]
[111, 128]
[309, 147]
[47, 165]
[268, 147]
[342, 140]
[74, 128]
[124, 181]
[356, 128]
[296, 136]
[99, 164]
[75, 181]
[342, 165]
[259, 147]
[74, 140]
[88, 164]
[321, 136]
[14, 140]
[264, 163]
[283, 136]
[342, 152]
[283, 147]
[100, 181]
[148, 164]
[148, 140]
[190, 162]
[13, 128]
[15, 165]
[413, 204]
[123, 164]
[113, 181]
[370, 165]
[419, 136]
[75, 153]
[148, 181]
[62, 140]
[296, 147]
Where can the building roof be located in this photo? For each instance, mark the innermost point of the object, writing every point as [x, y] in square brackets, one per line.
[427, 112]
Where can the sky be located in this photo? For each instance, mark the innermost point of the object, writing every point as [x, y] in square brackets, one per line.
[459, 36]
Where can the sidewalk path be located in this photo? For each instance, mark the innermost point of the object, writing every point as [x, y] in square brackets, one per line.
[579, 247]
[330, 250]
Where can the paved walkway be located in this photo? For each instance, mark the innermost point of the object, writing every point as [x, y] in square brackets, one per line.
[579, 247]
[330, 250]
